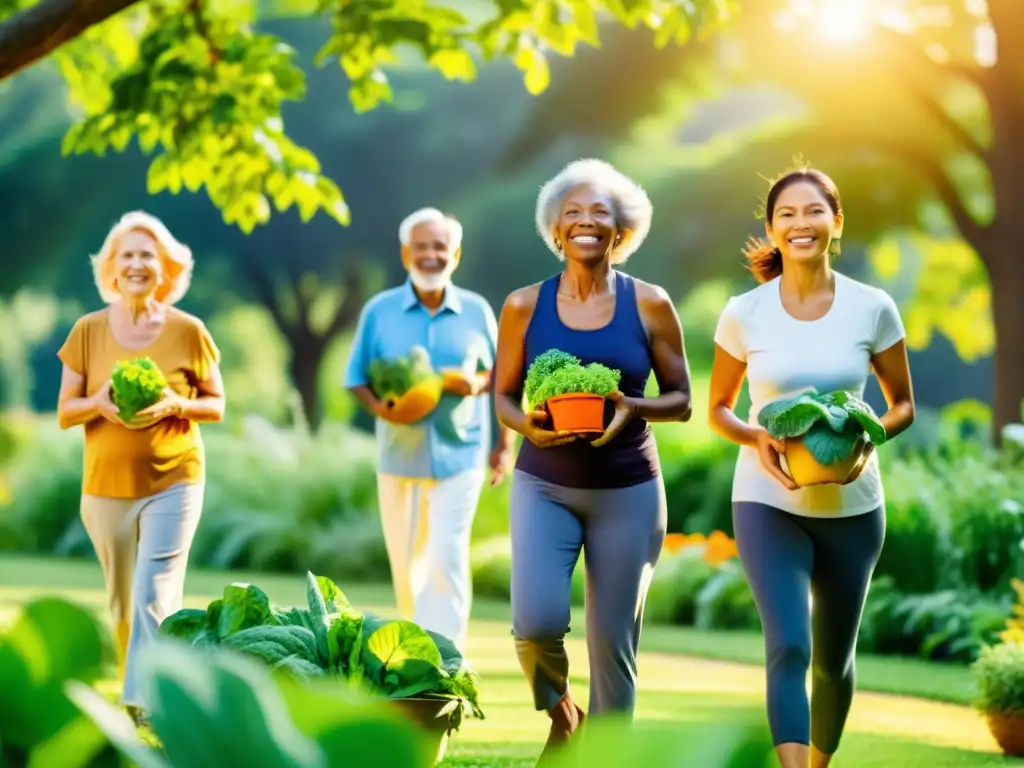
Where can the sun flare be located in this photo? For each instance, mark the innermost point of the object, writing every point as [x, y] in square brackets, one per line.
[842, 21]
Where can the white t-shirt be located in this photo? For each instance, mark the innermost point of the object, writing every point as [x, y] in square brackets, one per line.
[786, 356]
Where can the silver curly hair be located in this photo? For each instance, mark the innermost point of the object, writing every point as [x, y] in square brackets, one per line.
[632, 208]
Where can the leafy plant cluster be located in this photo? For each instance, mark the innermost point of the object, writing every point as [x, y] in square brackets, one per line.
[555, 372]
[208, 92]
[135, 385]
[830, 424]
[392, 378]
[394, 659]
[196, 81]
[999, 672]
[243, 714]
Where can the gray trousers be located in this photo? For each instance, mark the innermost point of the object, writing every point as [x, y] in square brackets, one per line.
[788, 558]
[142, 546]
[621, 531]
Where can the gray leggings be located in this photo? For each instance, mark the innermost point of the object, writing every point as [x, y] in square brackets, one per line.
[621, 531]
[787, 559]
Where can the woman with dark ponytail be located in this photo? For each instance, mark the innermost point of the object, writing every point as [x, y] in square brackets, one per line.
[806, 326]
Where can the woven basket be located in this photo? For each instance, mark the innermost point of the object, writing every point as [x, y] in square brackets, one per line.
[1008, 731]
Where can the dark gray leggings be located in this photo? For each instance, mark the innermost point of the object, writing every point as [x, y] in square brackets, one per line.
[788, 558]
[621, 531]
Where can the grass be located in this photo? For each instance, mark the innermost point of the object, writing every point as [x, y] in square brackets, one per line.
[687, 678]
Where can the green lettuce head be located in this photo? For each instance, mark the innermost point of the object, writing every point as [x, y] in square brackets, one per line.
[555, 373]
[830, 424]
[135, 385]
[392, 378]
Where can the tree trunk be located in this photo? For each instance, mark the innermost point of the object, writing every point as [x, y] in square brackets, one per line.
[1007, 273]
[307, 354]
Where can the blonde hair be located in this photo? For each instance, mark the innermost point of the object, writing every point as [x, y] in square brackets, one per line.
[175, 256]
[632, 207]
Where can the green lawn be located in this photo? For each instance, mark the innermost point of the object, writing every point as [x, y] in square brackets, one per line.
[688, 677]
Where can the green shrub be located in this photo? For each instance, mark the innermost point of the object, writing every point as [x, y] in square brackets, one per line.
[698, 488]
[678, 580]
[917, 551]
[950, 625]
[275, 499]
[999, 672]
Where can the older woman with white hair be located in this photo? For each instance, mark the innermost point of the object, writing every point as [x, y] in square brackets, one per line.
[605, 496]
[142, 486]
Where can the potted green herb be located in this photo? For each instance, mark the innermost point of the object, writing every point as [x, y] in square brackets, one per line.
[999, 674]
[574, 394]
[825, 434]
[421, 672]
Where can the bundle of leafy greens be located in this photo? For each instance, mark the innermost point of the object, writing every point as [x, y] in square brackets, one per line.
[135, 385]
[555, 372]
[830, 424]
[394, 659]
[392, 378]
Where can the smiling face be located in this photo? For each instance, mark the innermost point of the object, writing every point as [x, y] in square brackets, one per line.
[803, 222]
[428, 257]
[137, 265]
[586, 227]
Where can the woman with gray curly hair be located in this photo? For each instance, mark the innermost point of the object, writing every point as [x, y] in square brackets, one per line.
[605, 496]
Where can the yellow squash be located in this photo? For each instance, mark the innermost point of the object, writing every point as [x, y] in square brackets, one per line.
[418, 402]
[805, 469]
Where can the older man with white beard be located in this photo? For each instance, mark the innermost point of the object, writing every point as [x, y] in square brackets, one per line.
[430, 474]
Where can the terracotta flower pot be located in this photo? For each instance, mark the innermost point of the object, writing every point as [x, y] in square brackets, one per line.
[1008, 731]
[418, 402]
[805, 469]
[434, 719]
[577, 412]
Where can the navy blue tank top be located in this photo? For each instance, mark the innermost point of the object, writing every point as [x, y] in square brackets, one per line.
[631, 457]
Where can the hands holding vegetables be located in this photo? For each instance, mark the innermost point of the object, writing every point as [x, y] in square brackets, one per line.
[136, 396]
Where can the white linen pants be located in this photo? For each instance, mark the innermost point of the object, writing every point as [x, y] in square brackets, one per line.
[427, 526]
[142, 546]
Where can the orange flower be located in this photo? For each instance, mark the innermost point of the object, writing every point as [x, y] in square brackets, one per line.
[720, 548]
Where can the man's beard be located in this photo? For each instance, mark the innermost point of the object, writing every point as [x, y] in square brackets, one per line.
[433, 281]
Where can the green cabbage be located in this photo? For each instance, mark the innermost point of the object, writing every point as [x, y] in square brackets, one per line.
[830, 424]
[135, 385]
[330, 638]
[392, 378]
[555, 372]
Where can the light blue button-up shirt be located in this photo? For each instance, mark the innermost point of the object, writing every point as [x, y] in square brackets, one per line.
[463, 333]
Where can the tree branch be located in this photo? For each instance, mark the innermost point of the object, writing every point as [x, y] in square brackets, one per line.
[946, 120]
[36, 32]
[944, 187]
[908, 48]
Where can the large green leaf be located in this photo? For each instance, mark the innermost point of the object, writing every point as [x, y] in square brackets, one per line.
[614, 740]
[51, 642]
[244, 606]
[402, 659]
[186, 624]
[791, 416]
[865, 417]
[351, 728]
[828, 446]
[215, 709]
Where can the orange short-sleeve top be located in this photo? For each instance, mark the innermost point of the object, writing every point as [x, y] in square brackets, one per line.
[135, 463]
